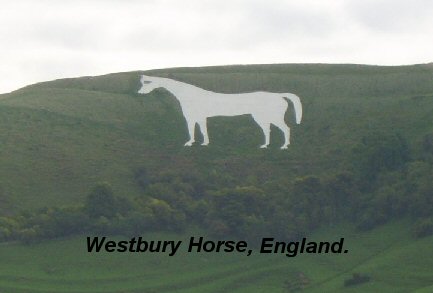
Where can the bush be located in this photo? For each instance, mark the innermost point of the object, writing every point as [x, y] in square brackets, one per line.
[29, 235]
[424, 228]
[379, 152]
[101, 202]
[356, 280]
[370, 219]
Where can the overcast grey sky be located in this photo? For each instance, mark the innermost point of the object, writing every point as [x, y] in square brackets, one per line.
[48, 39]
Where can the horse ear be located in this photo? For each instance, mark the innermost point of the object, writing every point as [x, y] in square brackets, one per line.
[145, 80]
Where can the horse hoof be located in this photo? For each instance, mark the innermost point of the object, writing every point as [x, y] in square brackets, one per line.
[265, 146]
[205, 144]
[284, 147]
[188, 144]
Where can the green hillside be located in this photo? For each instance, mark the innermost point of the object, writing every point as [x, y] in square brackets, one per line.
[90, 156]
[58, 138]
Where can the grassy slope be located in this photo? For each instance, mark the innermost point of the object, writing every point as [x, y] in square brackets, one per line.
[61, 137]
[388, 254]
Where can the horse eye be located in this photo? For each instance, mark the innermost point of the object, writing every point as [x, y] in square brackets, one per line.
[146, 82]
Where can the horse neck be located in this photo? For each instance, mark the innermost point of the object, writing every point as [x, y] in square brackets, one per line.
[174, 87]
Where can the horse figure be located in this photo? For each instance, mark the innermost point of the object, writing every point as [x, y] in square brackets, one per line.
[198, 104]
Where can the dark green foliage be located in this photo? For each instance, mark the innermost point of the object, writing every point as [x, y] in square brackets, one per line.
[428, 143]
[142, 178]
[341, 194]
[296, 282]
[237, 211]
[100, 202]
[424, 228]
[243, 207]
[356, 280]
[379, 152]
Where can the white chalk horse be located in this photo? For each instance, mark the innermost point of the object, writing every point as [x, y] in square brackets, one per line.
[198, 104]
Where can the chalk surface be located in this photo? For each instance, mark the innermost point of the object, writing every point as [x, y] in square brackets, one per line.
[198, 104]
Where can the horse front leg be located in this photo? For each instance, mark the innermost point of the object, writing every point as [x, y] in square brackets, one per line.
[203, 127]
[266, 128]
[191, 132]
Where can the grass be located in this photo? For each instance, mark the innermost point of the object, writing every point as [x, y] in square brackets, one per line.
[395, 261]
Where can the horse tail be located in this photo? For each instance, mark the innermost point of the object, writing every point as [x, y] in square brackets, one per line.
[297, 105]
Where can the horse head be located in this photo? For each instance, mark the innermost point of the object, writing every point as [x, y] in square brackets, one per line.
[148, 84]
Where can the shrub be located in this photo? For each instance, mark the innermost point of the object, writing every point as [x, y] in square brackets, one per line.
[423, 228]
[356, 279]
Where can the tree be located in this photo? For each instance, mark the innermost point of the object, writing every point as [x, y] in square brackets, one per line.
[101, 202]
[235, 208]
[379, 152]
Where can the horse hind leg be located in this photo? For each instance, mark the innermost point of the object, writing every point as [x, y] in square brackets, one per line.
[286, 130]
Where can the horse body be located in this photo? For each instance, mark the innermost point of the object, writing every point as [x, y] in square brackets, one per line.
[198, 104]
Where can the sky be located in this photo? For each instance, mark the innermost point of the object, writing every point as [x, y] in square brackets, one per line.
[49, 39]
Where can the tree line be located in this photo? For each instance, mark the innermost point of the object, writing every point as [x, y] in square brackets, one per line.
[384, 179]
